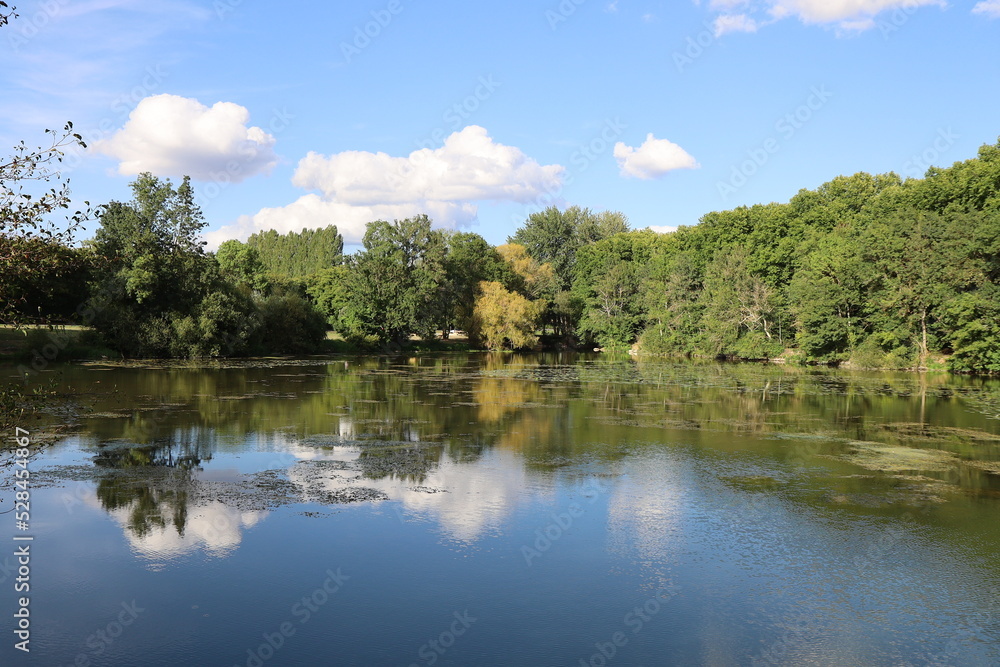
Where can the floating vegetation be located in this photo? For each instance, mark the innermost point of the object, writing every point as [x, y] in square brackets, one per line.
[932, 432]
[988, 466]
[754, 483]
[894, 458]
[350, 494]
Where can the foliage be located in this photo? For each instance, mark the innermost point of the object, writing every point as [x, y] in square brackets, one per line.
[397, 284]
[289, 324]
[298, 254]
[535, 279]
[828, 295]
[740, 309]
[33, 248]
[157, 293]
[329, 290]
[609, 275]
[554, 237]
[470, 261]
[671, 298]
[242, 266]
[504, 319]
[869, 269]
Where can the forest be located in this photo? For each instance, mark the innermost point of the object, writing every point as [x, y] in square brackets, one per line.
[871, 271]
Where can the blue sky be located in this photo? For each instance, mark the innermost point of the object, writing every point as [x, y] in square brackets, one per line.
[306, 114]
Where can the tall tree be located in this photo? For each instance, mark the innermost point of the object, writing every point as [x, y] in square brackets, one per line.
[397, 281]
[504, 319]
[470, 261]
[298, 254]
[241, 264]
[739, 317]
[158, 294]
[829, 295]
[553, 236]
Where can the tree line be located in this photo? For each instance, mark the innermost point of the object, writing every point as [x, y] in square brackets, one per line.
[871, 270]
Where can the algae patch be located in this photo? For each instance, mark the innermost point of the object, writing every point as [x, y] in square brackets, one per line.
[895, 458]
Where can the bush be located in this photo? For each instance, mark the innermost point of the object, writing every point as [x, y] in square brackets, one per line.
[289, 324]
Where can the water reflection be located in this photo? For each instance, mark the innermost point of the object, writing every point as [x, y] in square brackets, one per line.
[466, 500]
[458, 439]
[805, 515]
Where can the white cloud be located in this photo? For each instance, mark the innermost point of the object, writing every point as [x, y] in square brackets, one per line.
[734, 23]
[990, 8]
[654, 158]
[170, 135]
[662, 229]
[214, 528]
[847, 15]
[357, 187]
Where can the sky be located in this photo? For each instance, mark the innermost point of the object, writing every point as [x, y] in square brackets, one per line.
[478, 114]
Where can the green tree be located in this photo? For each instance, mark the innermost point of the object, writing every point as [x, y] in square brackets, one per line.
[298, 254]
[330, 289]
[289, 324]
[31, 245]
[973, 326]
[739, 317]
[608, 278]
[470, 260]
[241, 265]
[397, 281]
[672, 299]
[553, 236]
[829, 295]
[158, 294]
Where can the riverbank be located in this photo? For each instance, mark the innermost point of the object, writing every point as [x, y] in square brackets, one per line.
[37, 343]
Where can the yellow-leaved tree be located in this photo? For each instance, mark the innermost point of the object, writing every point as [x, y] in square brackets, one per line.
[502, 318]
[540, 280]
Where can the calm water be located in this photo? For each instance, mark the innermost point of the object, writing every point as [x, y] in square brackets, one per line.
[509, 510]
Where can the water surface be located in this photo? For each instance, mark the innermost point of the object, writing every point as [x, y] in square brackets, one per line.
[512, 510]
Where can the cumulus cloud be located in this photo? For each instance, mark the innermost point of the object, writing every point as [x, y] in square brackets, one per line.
[170, 135]
[990, 8]
[353, 188]
[654, 158]
[734, 23]
[845, 15]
